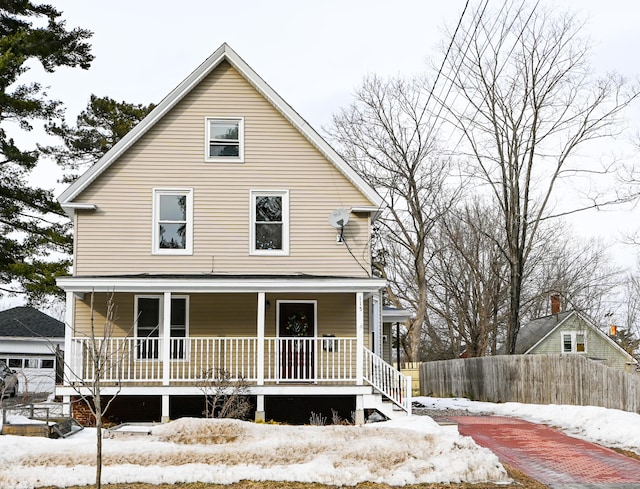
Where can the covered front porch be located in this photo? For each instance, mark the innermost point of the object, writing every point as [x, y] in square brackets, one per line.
[309, 334]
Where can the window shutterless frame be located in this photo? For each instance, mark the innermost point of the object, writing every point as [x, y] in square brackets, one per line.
[148, 321]
[172, 221]
[269, 222]
[224, 139]
[573, 342]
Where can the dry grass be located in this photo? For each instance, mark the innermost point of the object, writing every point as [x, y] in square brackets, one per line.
[520, 481]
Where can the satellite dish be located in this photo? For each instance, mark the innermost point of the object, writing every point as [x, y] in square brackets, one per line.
[339, 218]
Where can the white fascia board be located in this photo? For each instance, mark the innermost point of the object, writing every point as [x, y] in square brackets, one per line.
[374, 211]
[395, 316]
[177, 94]
[573, 313]
[70, 207]
[606, 338]
[147, 123]
[32, 339]
[217, 285]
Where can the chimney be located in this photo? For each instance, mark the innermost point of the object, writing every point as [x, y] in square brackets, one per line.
[555, 304]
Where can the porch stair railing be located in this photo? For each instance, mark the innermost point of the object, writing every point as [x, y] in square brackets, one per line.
[387, 380]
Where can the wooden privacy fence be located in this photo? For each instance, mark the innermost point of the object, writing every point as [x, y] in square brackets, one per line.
[533, 379]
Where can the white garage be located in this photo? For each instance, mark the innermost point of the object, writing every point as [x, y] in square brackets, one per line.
[31, 343]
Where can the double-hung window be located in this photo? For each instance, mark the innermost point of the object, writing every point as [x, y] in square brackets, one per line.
[173, 221]
[269, 222]
[225, 140]
[149, 324]
[574, 342]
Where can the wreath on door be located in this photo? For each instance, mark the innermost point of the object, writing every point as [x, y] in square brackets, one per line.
[297, 324]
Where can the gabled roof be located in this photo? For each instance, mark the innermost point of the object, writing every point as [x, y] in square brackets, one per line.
[534, 332]
[538, 329]
[27, 322]
[223, 53]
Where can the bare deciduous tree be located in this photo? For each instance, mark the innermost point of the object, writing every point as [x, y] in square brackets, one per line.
[386, 134]
[525, 104]
[101, 357]
[578, 270]
[468, 287]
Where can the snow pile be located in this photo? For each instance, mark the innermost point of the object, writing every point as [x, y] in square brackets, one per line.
[409, 451]
[608, 427]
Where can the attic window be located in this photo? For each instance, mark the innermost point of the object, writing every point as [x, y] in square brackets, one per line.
[574, 342]
[225, 140]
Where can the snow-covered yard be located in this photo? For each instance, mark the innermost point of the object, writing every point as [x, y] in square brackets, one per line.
[406, 451]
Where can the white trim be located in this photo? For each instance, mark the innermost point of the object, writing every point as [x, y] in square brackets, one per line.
[82, 206]
[224, 52]
[376, 325]
[260, 335]
[298, 301]
[369, 209]
[150, 285]
[359, 338]
[395, 315]
[164, 335]
[69, 316]
[574, 342]
[71, 207]
[155, 245]
[284, 194]
[224, 159]
[136, 315]
[314, 374]
[269, 390]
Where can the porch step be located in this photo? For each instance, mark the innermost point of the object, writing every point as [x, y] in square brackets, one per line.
[387, 408]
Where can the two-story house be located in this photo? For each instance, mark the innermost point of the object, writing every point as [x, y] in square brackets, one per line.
[231, 237]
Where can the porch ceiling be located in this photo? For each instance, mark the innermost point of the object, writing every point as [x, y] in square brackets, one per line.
[212, 283]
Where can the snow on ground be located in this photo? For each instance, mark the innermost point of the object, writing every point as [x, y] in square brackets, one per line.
[409, 451]
[608, 427]
[403, 451]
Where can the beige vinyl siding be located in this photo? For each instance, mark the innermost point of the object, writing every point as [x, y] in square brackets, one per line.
[597, 347]
[123, 315]
[117, 237]
[224, 315]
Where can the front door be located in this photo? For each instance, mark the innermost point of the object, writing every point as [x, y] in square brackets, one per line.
[296, 330]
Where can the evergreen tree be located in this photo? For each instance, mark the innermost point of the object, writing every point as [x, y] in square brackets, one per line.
[98, 128]
[33, 230]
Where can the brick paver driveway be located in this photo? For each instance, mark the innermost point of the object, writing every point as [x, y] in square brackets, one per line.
[550, 456]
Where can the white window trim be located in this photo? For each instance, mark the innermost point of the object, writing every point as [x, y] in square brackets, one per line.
[299, 301]
[285, 222]
[155, 246]
[574, 344]
[160, 324]
[223, 159]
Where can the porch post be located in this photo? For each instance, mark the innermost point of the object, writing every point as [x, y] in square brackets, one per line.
[260, 413]
[260, 334]
[359, 338]
[359, 414]
[164, 333]
[165, 409]
[69, 355]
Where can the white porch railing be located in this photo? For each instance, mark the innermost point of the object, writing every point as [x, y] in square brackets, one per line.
[386, 379]
[318, 359]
